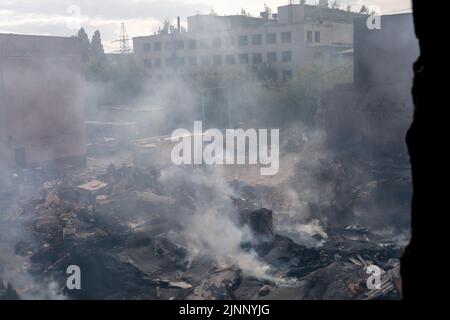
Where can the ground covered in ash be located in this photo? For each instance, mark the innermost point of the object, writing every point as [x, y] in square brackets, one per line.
[139, 234]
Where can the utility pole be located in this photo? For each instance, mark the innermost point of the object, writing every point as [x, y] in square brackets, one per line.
[123, 41]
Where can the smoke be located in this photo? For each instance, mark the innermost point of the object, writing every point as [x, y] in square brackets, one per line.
[212, 230]
[14, 270]
[41, 122]
[15, 267]
[318, 192]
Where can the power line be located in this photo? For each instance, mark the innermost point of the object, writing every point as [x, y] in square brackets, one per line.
[124, 41]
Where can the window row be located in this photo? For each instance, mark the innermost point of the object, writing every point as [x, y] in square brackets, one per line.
[286, 75]
[217, 43]
[230, 59]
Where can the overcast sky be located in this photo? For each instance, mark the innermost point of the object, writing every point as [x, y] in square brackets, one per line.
[142, 17]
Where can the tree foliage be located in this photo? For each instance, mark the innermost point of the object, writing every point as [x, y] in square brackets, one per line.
[84, 44]
[364, 9]
[97, 46]
[113, 79]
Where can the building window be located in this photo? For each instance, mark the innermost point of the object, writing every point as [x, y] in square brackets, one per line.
[272, 75]
[243, 40]
[286, 37]
[217, 60]
[157, 46]
[256, 39]
[217, 43]
[317, 36]
[229, 41]
[243, 58]
[204, 61]
[271, 38]
[271, 57]
[147, 47]
[147, 63]
[169, 45]
[257, 58]
[181, 62]
[170, 62]
[230, 59]
[192, 44]
[158, 63]
[203, 44]
[192, 61]
[180, 44]
[287, 75]
[309, 37]
[286, 56]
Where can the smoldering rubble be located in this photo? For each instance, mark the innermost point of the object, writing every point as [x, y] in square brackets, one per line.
[337, 208]
[179, 233]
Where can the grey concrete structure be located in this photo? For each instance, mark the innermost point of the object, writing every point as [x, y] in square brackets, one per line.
[296, 36]
[41, 102]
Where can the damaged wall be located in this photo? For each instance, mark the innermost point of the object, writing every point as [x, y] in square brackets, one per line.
[41, 107]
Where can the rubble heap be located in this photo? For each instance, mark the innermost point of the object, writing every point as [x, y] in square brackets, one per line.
[118, 227]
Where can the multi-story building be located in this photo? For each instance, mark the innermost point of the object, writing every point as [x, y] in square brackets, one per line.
[296, 36]
[41, 102]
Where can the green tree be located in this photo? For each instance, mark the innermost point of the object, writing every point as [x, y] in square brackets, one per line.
[127, 80]
[245, 13]
[95, 67]
[166, 27]
[364, 9]
[97, 46]
[267, 13]
[84, 45]
[335, 4]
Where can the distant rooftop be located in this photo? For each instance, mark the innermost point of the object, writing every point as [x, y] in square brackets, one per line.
[19, 45]
[205, 23]
[288, 14]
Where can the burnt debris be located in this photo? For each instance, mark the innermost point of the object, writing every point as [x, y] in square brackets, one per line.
[118, 226]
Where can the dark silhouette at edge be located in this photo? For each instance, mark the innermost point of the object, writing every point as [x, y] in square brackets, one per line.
[420, 268]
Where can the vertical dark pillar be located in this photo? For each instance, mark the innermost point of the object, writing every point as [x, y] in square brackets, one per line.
[423, 272]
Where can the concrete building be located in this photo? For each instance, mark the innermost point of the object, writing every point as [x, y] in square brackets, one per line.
[41, 106]
[296, 36]
[377, 106]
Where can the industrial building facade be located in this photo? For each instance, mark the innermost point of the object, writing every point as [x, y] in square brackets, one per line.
[296, 36]
[41, 106]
